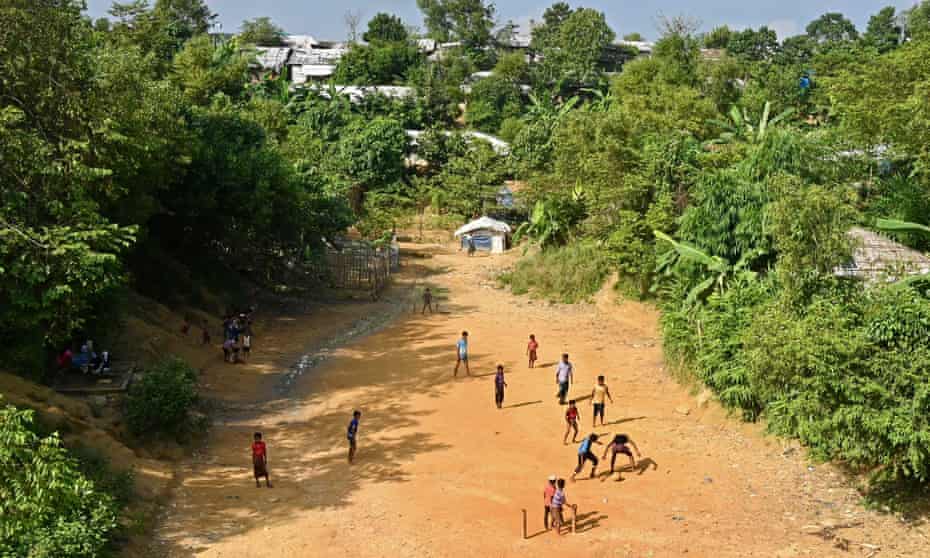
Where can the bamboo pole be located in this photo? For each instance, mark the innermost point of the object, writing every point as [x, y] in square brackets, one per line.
[524, 524]
[574, 516]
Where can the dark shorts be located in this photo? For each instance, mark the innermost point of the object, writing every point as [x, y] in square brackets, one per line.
[624, 450]
[463, 358]
[259, 468]
[599, 409]
[587, 456]
[563, 389]
[352, 442]
[246, 349]
[532, 355]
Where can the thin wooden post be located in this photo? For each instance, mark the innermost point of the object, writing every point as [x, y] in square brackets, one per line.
[574, 516]
[524, 524]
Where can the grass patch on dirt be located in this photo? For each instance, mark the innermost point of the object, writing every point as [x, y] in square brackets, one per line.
[569, 274]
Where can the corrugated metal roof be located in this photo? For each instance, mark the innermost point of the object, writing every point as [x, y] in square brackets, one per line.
[484, 223]
[878, 258]
[272, 58]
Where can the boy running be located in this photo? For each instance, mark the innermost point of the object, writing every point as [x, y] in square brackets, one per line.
[531, 350]
[548, 493]
[585, 454]
[571, 419]
[499, 385]
[619, 445]
[563, 377]
[598, 395]
[559, 501]
[352, 433]
[461, 352]
[260, 460]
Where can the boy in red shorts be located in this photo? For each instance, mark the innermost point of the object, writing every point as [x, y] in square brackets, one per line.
[531, 350]
[260, 460]
[571, 418]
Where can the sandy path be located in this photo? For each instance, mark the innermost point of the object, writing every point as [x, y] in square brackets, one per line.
[441, 472]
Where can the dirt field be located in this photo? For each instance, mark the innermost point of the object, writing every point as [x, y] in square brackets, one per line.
[441, 472]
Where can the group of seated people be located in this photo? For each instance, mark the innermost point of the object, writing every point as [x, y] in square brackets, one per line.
[86, 360]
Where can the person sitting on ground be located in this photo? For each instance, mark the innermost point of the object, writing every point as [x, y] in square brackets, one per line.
[427, 301]
[559, 501]
[585, 453]
[260, 461]
[571, 418]
[619, 445]
[531, 350]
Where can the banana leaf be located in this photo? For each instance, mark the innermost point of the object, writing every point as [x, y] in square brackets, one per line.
[894, 225]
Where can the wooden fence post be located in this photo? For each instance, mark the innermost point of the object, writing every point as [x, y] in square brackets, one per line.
[574, 516]
[524, 524]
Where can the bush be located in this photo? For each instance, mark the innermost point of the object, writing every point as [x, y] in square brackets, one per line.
[48, 508]
[569, 274]
[160, 403]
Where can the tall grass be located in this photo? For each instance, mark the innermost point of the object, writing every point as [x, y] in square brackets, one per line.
[567, 274]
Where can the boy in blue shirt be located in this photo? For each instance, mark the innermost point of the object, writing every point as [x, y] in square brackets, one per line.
[585, 454]
[461, 352]
[352, 433]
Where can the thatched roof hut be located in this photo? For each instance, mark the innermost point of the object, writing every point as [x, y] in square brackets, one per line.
[877, 258]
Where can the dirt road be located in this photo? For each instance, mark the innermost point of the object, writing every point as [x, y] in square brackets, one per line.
[442, 472]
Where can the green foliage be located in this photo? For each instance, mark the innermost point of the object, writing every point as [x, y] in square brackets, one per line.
[883, 33]
[570, 274]
[753, 45]
[832, 28]
[719, 37]
[261, 31]
[161, 401]
[385, 28]
[381, 63]
[48, 507]
[467, 21]
[469, 181]
[573, 54]
[492, 100]
[553, 221]
[203, 70]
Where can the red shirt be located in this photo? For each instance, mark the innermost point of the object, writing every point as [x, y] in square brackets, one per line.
[532, 345]
[571, 414]
[548, 493]
[258, 449]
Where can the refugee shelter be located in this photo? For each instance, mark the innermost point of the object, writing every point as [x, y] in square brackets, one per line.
[488, 235]
[876, 258]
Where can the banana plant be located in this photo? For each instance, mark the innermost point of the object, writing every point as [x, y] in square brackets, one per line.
[741, 127]
[895, 225]
[721, 272]
[553, 220]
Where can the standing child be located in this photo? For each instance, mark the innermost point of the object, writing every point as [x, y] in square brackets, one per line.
[352, 434]
[246, 343]
[531, 350]
[619, 445]
[563, 377]
[559, 501]
[260, 461]
[461, 352]
[205, 338]
[599, 395]
[548, 493]
[499, 385]
[571, 419]
[427, 301]
[585, 454]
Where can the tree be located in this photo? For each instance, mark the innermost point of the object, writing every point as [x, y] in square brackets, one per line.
[832, 28]
[883, 32]
[467, 21]
[547, 34]
[754, 46]
[261, 31]
[918, 21]
[385, 28]
[634, 37]
[575, 55]
[796, 50]
[47, 506]
[377, 63]
[202, 70]
[352, 20]
[493, 100]
[719, 37]
[371, 155]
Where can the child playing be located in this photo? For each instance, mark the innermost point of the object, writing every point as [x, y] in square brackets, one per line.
[260, 461]
[558, 502]
[618, 445]
[548, 493]
[531, 350]
[461, 352]
[352, 433]
[598, 396]
[571, 418]
[499, 385]
[427, 301]
[585, 454]
[246, 343]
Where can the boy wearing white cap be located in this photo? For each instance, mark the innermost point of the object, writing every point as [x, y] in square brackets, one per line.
[548, 493]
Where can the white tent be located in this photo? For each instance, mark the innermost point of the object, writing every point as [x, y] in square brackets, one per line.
[487, 234]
